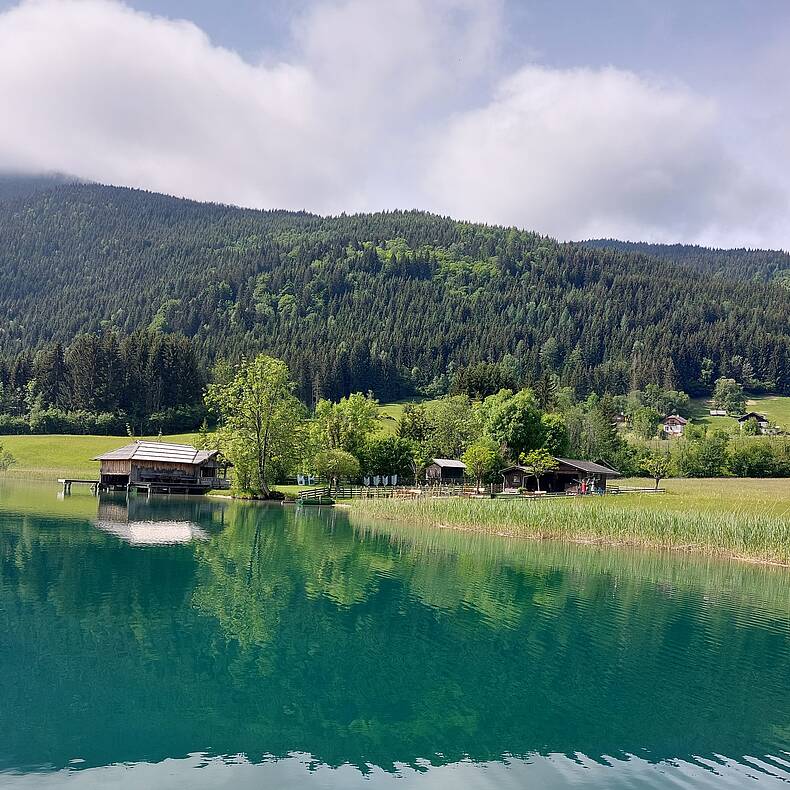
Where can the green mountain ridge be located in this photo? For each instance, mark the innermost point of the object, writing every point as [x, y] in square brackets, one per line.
[741, 263]
[391, 302]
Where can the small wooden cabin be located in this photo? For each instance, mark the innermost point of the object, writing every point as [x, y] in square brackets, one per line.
[162, 466]
[760, 419]
[674, 425]
[570, 476]
[444, 470]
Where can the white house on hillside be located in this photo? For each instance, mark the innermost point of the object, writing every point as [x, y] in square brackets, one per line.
[674, 425]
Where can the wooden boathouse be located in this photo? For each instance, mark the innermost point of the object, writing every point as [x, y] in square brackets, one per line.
[162, 467]
[571, 476]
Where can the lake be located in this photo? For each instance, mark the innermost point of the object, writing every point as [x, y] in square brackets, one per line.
[178, 642]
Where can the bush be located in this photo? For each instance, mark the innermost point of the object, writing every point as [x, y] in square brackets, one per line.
[760, 459]
[13, 426]
[53, 420]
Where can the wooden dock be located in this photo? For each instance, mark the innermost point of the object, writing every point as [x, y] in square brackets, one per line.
[67, 482]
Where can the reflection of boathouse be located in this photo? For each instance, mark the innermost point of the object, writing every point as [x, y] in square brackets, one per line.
[163, 467]
[144, 521]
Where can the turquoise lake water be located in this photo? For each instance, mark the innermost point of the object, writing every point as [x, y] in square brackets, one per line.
[196, 643]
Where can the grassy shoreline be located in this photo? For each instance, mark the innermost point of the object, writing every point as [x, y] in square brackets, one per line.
[750, 524]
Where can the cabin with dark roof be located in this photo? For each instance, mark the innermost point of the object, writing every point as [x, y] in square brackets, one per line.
[760, 419]
[445, 470]
[570, 476]
[163, 467]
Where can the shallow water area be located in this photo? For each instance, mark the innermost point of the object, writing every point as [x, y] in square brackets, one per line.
[195, 642]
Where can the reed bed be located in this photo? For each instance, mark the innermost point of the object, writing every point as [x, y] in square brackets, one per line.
[741, 532]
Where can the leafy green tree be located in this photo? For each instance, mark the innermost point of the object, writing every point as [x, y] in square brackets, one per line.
[592, 430]
[516, 423]
[657, 465]
[414, 423]
[755, 459]
[387, 455]
[539, 462]
[454, 426]
[645, 422]
[419, 458]
[261, 422]
[751, 427]
[347, 424]
[729, 395]
[480, 459]
[335, 464]
[705, 455]
[555, 433]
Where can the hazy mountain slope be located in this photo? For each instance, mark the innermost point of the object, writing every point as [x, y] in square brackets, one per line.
[382, 301]
[764, 265]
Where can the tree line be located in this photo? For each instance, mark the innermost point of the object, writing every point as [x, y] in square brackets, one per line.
[105, 383]
[270, 435]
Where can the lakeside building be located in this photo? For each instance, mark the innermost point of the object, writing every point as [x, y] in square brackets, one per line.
[445, 470]
[163, 467]
[674, 425]
[571, 476]
[760, 419]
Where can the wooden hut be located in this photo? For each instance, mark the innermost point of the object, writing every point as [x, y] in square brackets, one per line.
[445, 470]
[674, 425]
[760, 419]
[163, 467]
[570, 476]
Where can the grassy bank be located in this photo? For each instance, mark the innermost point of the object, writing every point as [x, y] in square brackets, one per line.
[48, 456]
[746, 519]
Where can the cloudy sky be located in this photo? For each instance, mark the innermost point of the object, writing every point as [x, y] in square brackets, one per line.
[662, 121]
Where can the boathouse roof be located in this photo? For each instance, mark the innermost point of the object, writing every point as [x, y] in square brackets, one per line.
[449, 463]
[158, 451]
[589, 466]
[582, 466]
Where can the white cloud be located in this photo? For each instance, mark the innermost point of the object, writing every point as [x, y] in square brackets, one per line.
[380, 104]
[93, 88]
[585, 153]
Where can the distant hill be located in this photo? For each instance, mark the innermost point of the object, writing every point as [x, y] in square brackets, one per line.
[17, 185]
[389, 301]
[742, 264]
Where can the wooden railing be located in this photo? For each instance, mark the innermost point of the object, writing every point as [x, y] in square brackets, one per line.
[348, 491]
[314, 494]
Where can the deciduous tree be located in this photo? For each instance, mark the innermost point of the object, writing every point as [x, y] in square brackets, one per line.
[260, 421]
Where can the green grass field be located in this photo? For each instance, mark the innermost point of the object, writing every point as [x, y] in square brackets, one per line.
[48, 457]
[775, 407]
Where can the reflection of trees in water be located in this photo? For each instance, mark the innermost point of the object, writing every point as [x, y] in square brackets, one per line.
[293, 632]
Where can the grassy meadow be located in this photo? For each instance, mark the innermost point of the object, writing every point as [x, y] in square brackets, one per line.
[48, 456]
[744, 518]
[775, 407]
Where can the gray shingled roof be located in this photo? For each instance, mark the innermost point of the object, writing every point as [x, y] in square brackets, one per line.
[158, 451]
[589, 466]
[450, 463]
[582, 466]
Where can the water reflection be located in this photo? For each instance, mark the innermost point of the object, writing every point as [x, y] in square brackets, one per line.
[286, 632]
[141, 522]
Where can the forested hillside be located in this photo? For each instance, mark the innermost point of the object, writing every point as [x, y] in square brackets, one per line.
[393, 302]
[741, 264]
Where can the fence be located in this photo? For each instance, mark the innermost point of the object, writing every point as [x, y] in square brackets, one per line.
[444, 491]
